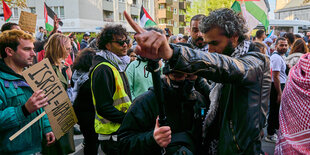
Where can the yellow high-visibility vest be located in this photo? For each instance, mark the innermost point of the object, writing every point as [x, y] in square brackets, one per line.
[121, 102]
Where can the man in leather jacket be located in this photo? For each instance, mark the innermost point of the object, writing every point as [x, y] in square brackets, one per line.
[242, 75]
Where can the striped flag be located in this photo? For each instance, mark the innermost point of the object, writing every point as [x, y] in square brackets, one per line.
[254, 11]
[145, 19]
[49, 18]
[7, 13]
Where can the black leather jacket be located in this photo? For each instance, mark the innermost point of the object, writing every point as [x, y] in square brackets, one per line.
[244, 97]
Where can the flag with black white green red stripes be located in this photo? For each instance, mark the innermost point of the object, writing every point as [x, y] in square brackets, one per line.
[145, 19]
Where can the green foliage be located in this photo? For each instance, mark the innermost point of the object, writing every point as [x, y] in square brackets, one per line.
[205, 7]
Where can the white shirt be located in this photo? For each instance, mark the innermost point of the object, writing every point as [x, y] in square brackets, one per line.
[277, 63]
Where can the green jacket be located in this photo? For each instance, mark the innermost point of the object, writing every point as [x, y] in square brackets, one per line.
[14, 93]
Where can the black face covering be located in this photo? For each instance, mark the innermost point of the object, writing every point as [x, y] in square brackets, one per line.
[183, 88]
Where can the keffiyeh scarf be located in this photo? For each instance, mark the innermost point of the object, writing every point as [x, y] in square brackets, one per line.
[294, 115]
[215, 93]
[119, 62]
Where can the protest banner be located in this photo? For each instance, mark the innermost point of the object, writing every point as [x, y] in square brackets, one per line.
[28, 21]
[59, 110]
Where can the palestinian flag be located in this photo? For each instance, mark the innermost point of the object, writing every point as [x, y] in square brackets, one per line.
[7, 13]
[254, 11]
[145, 19]
[49, 18]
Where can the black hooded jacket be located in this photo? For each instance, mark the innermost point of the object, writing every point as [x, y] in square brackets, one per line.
[136, 131]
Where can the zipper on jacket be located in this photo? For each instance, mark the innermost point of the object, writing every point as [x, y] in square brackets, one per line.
[233, 134]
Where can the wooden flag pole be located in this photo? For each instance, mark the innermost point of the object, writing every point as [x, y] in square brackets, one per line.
[27, 126]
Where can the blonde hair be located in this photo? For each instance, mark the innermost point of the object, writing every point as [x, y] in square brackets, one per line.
[11, 38]
[55, 48]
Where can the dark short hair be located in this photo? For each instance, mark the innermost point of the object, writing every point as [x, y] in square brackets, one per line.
[7, 26]
[198, 17]
[259, 33]
[40, 27]
[108, 32]
[129, 51]
[290, 37]
[297, 36]
[185, 37]
[227, 20]
[280, 38]
[83, 60]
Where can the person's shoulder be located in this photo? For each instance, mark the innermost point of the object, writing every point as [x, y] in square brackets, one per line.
[144, 101]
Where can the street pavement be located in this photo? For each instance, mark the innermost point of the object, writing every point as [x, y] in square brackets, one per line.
[267, 147]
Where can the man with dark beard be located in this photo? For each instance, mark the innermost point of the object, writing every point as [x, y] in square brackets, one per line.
[278, 67]
[242, 75]
[196, 39]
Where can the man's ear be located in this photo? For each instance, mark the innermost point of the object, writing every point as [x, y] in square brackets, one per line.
[234, 40]
[9, 51]
[108, 46]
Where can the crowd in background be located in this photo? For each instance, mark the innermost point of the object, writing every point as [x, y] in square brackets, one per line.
[111, 90]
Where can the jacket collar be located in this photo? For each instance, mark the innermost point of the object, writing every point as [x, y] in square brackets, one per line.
[7, 73]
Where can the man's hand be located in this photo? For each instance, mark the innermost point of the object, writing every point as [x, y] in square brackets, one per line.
[36, 101]
[56, 22]
[279, 98]
[162, 135]
[50, 138]
[151, 44]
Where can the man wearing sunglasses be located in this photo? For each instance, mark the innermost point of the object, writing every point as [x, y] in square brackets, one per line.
[185, 109]
[109, 85]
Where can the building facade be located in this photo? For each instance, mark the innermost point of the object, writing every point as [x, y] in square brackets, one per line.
[292, 10]
[171, 14]
[87, 15]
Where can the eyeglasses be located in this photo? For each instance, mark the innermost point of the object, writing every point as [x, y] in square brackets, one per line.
[122, 42]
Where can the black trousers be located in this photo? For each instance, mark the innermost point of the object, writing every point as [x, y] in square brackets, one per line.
[91, 143]
[273, 118]
[110, 147]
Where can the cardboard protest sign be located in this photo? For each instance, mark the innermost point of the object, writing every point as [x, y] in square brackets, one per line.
[59, 109]
[28, 21]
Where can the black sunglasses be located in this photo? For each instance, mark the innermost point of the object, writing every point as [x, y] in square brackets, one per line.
[122, 42]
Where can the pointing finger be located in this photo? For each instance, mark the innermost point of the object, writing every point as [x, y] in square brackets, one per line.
[133, 24]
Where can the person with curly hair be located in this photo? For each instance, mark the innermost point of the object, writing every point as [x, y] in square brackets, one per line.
[109, 85]
[239, 100]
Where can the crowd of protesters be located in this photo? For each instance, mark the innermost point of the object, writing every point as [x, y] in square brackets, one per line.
[220, 89]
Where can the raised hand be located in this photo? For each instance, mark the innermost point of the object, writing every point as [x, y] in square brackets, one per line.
[151, 44]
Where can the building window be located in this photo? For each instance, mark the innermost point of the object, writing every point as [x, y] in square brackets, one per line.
[32, 9]
[108, 16]
[162, 21]
[175, 11]
[15, 13]
[161, 6]
[169, 8]
[121, 1]
[121, 16]
[169, 22]
[59, 10]
[135, 18]
[145, 3]
[175, 24]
